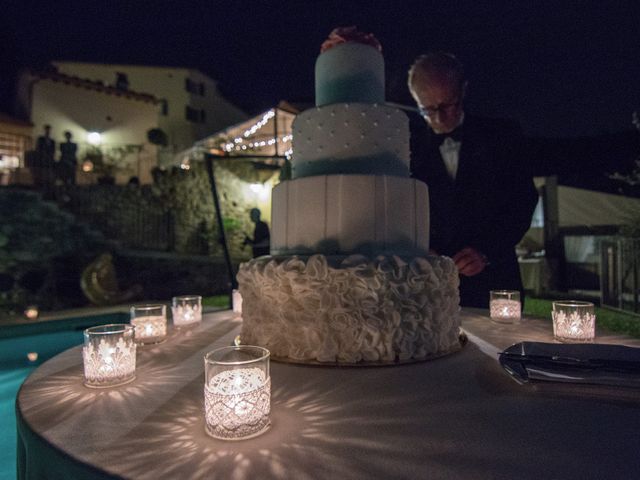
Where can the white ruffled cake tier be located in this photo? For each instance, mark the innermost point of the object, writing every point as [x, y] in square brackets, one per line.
[350, 310]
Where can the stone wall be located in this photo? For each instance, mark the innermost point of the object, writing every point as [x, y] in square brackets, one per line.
[35, 236]
[177, 212]
[240, 189]
[171, 224]
[165, 275]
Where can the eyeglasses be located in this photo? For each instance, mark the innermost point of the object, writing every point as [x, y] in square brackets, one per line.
[442, 108]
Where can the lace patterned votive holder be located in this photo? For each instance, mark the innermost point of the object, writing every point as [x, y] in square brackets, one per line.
[150, 322]
[574, 321]
[236, 302]
[186, 310]
[237, 392]
[109, 355]
[505, 306]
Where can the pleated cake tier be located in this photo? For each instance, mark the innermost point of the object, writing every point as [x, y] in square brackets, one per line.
[346, 214]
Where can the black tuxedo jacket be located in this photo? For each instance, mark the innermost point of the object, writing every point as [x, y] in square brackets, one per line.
[488, 206]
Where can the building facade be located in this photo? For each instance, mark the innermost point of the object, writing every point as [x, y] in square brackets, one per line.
[191, 106]
[15, 141]
[100, 118]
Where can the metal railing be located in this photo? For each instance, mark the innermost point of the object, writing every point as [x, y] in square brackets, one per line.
[620, 274]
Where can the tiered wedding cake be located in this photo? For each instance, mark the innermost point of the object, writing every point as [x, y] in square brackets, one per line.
[349, 279]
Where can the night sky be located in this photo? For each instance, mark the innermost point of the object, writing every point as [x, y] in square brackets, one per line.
[561, 68]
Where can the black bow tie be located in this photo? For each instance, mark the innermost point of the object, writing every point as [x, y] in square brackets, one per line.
[439, 138]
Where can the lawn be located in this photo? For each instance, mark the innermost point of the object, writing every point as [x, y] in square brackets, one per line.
[611, 320]
[219, 301]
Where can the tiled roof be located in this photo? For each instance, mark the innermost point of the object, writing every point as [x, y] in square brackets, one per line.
[97, 86]
[5, 118]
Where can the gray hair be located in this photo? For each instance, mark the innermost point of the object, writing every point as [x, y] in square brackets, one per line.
[441, 64]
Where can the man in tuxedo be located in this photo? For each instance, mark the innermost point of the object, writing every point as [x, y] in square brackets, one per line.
[481, 197]
[260, 243]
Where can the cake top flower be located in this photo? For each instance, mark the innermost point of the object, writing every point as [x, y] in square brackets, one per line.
[349, 34]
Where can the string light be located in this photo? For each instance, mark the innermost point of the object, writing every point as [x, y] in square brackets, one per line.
[261, 123]
[238, 143]
[185, 164]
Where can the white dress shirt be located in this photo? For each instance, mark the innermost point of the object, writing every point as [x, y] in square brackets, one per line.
[450, 151]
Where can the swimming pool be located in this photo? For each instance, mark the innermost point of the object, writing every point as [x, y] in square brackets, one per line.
[22, 348]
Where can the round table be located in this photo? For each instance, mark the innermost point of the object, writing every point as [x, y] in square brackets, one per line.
[455, 417]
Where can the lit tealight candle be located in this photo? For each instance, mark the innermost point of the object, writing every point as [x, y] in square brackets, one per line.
[186, 310]
[109, 355]
[31, 312]
[505, 306]
[150, 322]
[237, 392]
[574, 321]
[236, 300]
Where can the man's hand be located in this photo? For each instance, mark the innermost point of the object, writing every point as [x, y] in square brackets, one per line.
[470, 262]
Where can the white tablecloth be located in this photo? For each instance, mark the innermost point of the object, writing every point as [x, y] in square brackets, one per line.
[457, 417]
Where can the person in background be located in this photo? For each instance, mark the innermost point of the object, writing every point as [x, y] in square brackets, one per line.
[260, 243]
[481, 197]
[68, 160]
[45, 144]
[42, 165]
[134, 181]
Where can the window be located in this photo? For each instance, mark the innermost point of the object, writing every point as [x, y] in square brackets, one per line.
[192, 114]
[194, 87]
[12, 149]
[195, 115]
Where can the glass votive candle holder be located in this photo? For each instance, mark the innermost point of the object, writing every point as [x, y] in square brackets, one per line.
[186, 310]
[109, 355]
[31, 312]
[505, 306]
[236, 302]
[237, 392]
[150, 322]
[574, 321]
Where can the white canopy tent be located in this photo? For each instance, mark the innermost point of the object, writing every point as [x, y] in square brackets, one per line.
[579, 207]
[583, 218]
[588, 210]
[265, 137]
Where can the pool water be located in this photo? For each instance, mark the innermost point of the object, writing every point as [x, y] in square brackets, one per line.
[22, 349]
[15, 366]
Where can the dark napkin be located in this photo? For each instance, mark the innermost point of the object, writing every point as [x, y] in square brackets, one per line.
[596, 364]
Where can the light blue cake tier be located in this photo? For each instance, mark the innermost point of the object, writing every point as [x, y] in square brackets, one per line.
[351, 138]
[350, 72]
[383, 164]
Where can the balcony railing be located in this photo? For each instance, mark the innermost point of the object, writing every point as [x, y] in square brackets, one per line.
[620, 274]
